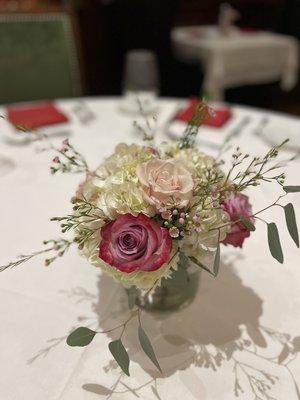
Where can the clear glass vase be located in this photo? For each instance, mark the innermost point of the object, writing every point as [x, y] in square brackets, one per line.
[173, 293]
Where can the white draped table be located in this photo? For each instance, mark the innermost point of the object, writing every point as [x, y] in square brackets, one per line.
[241, 334]
[242, 58]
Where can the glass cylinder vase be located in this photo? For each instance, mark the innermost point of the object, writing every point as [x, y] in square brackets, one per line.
[173, 293]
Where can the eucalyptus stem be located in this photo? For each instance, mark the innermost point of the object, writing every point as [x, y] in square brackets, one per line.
[121, 325]
[231, 223]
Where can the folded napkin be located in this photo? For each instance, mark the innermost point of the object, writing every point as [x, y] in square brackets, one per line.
[35, 115]
[222, 114]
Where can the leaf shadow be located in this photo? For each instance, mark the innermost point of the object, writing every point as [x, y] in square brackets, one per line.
[97, 389]
[214, 318]
[221, 325]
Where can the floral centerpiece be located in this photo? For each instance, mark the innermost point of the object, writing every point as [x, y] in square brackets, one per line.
[152, 217]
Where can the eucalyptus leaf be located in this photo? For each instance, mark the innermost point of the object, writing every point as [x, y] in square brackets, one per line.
[247, 223]
[217, 261]
[291, 189]
[274, 242]
[147, 347]
[183, 259]
[81, 337]
[180, 276]
[291, 222]
[198, 263]
[120, 355]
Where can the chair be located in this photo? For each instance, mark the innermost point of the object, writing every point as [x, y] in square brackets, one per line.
[38, 57]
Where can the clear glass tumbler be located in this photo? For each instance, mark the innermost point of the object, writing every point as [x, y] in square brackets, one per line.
[173, 293]
[141, 81]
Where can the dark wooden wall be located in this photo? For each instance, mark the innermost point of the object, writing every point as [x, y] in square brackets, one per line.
[255, 13]
[108, 31]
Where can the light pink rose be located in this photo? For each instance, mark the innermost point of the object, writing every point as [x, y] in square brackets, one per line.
[166, 181]
[238, 204]
[135, 244]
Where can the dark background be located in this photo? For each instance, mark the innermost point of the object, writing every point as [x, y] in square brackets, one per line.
[107, 29]
[126, 24]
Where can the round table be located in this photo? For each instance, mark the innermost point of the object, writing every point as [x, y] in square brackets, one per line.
[239, 336]
[242, 58]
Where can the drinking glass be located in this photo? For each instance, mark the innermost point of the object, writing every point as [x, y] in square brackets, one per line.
[140, 83]
[172, 294]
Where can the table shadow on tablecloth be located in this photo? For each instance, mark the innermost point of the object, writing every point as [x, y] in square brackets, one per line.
[221, 327]
[214, 318]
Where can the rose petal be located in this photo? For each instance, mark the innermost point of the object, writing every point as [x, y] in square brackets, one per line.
[135, 243]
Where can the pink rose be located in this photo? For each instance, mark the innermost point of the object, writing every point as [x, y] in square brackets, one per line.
[165, 182]
[135, 244]
[238, 204]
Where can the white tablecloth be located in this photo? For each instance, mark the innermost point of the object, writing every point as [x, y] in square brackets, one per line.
[243, 58]
[238, 332]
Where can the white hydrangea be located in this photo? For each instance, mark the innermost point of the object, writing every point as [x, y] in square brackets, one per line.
[114, 189]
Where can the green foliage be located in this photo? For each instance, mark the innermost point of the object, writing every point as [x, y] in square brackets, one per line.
[247, 223]
[81, 337]
[216, 265]
[180, 276]
[195, 261]
[291, 222]
[131, 292]
[274, 242]
[201, 113]
[120, 355]
[217, 260]
[291, 189]
[147, 347]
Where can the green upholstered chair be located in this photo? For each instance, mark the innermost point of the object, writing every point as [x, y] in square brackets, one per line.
[38, 58]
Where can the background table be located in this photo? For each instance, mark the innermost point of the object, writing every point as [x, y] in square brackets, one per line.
[243, 58]
[238, 331]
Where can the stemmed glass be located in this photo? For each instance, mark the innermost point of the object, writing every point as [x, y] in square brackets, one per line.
[140, 83]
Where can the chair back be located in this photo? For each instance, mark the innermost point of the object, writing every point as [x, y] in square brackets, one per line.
[38, 57]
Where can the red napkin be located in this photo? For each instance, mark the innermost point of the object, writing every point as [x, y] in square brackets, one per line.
[32, 116]
[222, 114]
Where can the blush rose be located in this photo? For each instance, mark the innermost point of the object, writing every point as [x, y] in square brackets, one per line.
[135, 244]
[238, 205]
[165, 182]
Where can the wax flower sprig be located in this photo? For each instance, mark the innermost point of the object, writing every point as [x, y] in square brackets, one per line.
[58, 248]
[68, 160]
[258, 168]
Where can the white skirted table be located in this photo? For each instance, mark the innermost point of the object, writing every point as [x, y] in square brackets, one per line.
[241, 335]
[242, 58]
